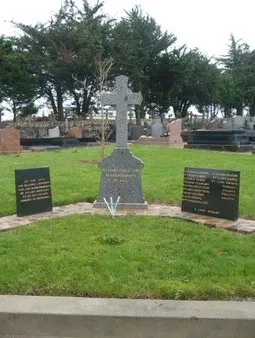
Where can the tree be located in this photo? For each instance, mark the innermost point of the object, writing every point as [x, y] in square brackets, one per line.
[137, 43]
[103, 68]
[234, 65]
[249, 81]
[29, 109]
[227, 94]
[62, 54]
[18, 84]
[5, 49]
[166, 80]
[197, 82]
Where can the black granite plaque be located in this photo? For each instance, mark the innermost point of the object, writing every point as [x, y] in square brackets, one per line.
[33, 191]
[211, 192]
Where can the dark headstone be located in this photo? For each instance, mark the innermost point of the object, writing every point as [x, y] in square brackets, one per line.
[33, 191]
[136, 131]
[121, 175]
[211, 192]
[65, 142]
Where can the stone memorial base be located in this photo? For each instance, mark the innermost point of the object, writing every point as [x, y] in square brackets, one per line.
[152, 141]
[221, 147]
[123, 206]
[121, 177]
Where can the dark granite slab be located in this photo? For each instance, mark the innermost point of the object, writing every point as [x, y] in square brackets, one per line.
[211, 192]
[33, 191]
[121, 176]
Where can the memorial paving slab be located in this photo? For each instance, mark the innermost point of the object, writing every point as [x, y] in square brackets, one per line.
[159, 210]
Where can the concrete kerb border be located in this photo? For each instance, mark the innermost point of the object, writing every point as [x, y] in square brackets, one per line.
[160, 210]
[28, 316]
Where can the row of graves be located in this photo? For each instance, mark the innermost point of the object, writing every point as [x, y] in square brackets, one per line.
[232, 134]
[236, 133]
[206, 191]
[50, 135]
[15, 139]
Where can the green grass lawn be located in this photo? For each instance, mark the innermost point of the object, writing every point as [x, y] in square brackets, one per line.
[75, 175]
[132, 257]
[138, 257]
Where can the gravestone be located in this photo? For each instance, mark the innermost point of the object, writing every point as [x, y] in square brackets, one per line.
[211, 192]
[121, 175]
[54, 132]
[174, 130]
[136, 131]
[33, 191]
[76, 132]
[156, 128]
[10, 140]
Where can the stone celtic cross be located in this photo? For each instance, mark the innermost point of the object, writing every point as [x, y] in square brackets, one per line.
[121, 97]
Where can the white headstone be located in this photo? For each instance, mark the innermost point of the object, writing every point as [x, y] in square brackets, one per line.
[54, 132]
[156, 128]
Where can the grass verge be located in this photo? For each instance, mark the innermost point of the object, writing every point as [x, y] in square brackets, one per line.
[127, 257]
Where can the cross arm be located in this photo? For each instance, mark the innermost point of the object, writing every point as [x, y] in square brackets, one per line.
[134, 98]
[108, 99]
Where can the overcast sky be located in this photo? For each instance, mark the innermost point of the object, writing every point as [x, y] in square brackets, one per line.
[205, 24]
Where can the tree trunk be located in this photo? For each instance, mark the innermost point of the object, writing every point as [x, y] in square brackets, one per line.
[252, 109]
[14, 110]
[176, 111]
[239, 110]
[138, 115]
[60, 104]
[77, 102]
[184, 110]
[86, 102]
[52, 102]
[227, 112]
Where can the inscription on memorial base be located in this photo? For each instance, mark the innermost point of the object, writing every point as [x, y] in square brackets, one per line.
[33, 191]
[121, 176]
[211, 192]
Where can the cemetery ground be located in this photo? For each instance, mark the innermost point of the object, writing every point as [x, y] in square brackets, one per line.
[75, 175]
[126, 257]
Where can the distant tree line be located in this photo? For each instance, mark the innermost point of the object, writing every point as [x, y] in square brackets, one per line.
[63, 59]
